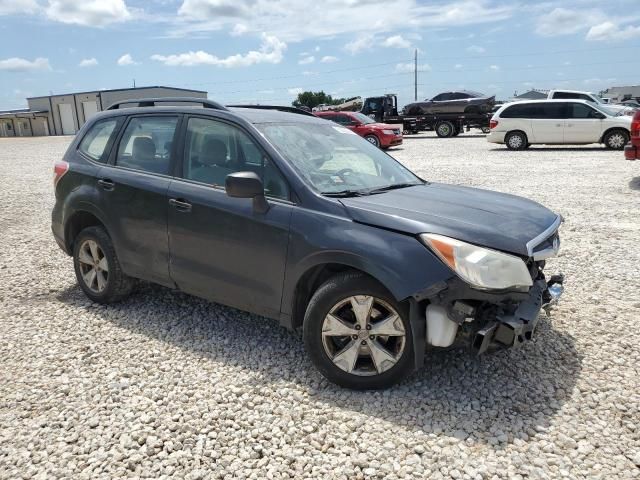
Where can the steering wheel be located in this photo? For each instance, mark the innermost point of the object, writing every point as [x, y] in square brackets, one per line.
[344, 171]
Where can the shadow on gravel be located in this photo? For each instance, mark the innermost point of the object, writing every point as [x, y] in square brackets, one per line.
[492, 399]
[408, 137]
[542, 148]
[634, 184]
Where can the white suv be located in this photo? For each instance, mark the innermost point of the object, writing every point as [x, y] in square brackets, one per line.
[579, 122]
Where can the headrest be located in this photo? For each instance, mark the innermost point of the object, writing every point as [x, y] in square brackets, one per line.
[214, 152]
[143, 148]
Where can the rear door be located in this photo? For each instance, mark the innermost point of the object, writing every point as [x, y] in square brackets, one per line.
[134, 195]
[582, 124]
[547, 121]
[221, 248]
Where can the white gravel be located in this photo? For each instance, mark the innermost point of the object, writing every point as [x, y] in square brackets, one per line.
[166, 385]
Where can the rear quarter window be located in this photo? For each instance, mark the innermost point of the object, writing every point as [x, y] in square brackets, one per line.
[97, 142]
[525, 110]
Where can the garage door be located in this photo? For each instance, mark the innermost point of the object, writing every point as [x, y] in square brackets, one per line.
[66, 117]
[89, 108]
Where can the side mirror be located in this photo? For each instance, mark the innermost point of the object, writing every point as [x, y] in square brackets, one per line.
[247, 185]
[601, 116]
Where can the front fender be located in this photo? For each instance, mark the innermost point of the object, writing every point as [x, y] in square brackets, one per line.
[399, 262]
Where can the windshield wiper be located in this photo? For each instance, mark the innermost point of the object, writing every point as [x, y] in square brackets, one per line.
[346, 193]
[395, 186]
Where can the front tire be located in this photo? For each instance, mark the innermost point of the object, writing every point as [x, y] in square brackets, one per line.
[516, 141]
[616, 139]
[373, 140]
[97, 268]
[357, 335]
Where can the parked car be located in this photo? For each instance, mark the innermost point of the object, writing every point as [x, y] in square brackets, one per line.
[589, 97]
[381, 135]
[632, 149]
[630, 103]
[557, 122]
[293, 218]
[462, 101]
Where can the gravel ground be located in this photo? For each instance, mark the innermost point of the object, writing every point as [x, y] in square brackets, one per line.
[166, 385]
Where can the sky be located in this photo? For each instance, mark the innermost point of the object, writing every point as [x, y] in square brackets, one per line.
[266, 51]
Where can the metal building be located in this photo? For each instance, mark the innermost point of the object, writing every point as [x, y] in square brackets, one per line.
[65, 114]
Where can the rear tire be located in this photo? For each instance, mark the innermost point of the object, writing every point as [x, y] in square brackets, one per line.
[616, 139]
[97, 268]
[516, 140]
[356, 357]
[445, 129]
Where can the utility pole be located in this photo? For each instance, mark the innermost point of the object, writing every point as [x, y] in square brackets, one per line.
[415, 76]
[134, 83]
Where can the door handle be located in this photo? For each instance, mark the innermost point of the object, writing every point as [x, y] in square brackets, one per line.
[180, 204]
[106, 183]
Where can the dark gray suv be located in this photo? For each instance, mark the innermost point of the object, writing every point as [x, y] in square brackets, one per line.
[277, 212]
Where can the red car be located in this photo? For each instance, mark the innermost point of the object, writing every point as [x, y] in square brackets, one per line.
[381, 135]
[632, 150]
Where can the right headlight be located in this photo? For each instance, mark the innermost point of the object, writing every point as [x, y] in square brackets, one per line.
[480, 267]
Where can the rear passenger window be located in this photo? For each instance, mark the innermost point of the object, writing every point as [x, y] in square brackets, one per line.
[95, 142]
[215, 149]
[146, 144]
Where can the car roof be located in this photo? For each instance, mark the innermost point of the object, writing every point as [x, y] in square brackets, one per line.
[251, 115]
[571, 91]
[550, 100]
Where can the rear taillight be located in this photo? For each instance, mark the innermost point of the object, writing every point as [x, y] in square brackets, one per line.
[493, 123]
[635, 125]
[60, 167]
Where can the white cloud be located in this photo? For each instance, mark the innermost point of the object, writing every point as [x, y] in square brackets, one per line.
[10, 7]
[271, 51]
[476, 49]
[317, 49]
[409, 67]
[609, 31]
[494, 67]
[396, 41]
[16, 64]
[239, 29]
[458, 66]
[329, 59]
[307, 60]
[90, 13]
[562, 21]
[126, 59]
[295, 91]
[88, 62]
[282, 18]
[364, 42]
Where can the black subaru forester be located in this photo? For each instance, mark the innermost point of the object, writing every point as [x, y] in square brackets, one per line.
[274, 211]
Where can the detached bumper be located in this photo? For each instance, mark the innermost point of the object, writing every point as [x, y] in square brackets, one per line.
[631, 152]
[513, 329]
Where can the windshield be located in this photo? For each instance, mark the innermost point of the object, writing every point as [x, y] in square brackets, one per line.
[362, 118]
[335, 160]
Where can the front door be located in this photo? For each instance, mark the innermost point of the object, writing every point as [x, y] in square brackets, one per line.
[222, 249]
[582, 124]
[134, 196]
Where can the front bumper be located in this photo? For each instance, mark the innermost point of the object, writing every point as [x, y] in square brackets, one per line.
[511, 329]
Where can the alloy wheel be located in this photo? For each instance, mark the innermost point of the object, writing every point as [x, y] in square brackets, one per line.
[515, 141]
[93, 266]
[363, 335]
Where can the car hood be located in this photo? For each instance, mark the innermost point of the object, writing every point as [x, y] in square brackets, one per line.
[491, 219]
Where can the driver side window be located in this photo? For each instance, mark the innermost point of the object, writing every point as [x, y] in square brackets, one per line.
[215, 149]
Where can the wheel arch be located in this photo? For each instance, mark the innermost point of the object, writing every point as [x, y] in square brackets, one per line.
[613, 129]
[78, 221]
[315, 276]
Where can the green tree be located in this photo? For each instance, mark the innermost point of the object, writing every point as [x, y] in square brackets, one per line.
[313, 99]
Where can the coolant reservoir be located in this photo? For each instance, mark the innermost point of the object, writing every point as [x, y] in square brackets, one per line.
[441, 331]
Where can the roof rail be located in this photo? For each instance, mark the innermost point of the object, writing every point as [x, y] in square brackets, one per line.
[281, 108]
[151, 102]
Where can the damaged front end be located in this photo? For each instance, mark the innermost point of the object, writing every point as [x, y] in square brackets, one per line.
[487, 321]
